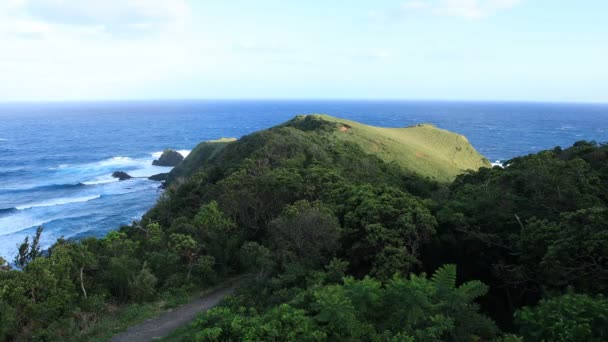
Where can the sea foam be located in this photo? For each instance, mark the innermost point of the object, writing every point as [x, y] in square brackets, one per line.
[57, 201]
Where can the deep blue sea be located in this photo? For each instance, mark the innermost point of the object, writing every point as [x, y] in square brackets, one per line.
[56, 158]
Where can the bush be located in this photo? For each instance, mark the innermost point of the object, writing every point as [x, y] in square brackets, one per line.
[570, 317]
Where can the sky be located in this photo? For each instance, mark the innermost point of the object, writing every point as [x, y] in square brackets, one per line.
[499, 50]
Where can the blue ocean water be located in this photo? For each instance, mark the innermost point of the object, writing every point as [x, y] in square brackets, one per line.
[56, 158]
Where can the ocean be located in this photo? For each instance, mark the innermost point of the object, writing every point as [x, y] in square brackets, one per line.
[56, 158]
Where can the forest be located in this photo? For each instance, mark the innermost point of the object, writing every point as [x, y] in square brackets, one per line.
[339, 244]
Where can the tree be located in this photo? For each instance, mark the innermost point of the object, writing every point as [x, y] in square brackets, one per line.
[84, 260]
[570, 317]
[408, 305]
[384, 228]
[142, 285]
[305, 233]
[256, 257]
[218, 234]
[29, 251]
[186, 247]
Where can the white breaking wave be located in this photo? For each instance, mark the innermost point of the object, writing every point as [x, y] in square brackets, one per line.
[16, 223]
[62, 166]
[184, 153]
[157, 154]
[58, 201]
[497, 163]
[101, 172]
[101, 180]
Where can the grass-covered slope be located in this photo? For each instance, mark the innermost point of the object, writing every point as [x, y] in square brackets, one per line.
[202, 153]
[423, 149]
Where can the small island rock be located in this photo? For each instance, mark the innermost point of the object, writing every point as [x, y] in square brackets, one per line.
[121, 175]
[168, 158]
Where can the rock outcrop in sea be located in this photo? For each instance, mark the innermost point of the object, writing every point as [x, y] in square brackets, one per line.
[121, 175]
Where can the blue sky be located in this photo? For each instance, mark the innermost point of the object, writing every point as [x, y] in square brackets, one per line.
[511, 50]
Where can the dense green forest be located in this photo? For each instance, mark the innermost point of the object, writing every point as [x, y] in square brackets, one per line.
[341, 243]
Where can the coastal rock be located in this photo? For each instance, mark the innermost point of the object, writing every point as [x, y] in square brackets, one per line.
[121, 175]
[168, 158]
[161, 177]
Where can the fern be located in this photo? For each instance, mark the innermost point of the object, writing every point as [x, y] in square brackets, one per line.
[472, 290]
[444, 277]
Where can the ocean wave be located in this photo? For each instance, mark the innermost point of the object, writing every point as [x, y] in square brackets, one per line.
[184, 153]
[500, 164]
[50, 187]
[101, 180]
[61, 166]
[7, 210]
[157, 154]
[58, 201]
[18, 222]
[100, 172]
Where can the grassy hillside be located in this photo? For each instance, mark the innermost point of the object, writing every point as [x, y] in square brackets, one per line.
[423, 149]
[201, 154]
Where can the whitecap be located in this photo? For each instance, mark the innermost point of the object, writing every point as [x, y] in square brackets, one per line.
[61, 166]
[15, 223]
[57, 201]
[157, 154]
[101, 180]
[184, 153]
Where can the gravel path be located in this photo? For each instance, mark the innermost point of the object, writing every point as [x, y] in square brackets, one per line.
[164, 324]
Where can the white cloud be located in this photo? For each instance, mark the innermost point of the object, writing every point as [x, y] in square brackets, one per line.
[64, 48]
[469, 9]
[116, 16]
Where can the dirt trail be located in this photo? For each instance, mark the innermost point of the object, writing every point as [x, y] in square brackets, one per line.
[164, 324]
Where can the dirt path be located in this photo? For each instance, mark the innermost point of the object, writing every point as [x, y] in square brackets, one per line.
[164, 324]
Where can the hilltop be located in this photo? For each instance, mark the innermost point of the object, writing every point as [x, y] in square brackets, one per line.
[424, 149]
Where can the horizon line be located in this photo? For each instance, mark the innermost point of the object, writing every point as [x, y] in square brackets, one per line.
[311, 99]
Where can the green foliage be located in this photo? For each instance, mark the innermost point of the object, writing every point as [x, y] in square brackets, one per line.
[305, 233]
[423, 149]
[384, 228]
[218, 234]
[255, 257]
[417, 309]
[142, 285]
[336, 225]
[534, 227]
[570, 317]
[28, 251]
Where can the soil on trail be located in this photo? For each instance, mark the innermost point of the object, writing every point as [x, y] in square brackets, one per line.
[164, 324]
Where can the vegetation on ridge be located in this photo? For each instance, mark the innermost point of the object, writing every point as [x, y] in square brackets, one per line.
[423, 149]
[339, 241]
